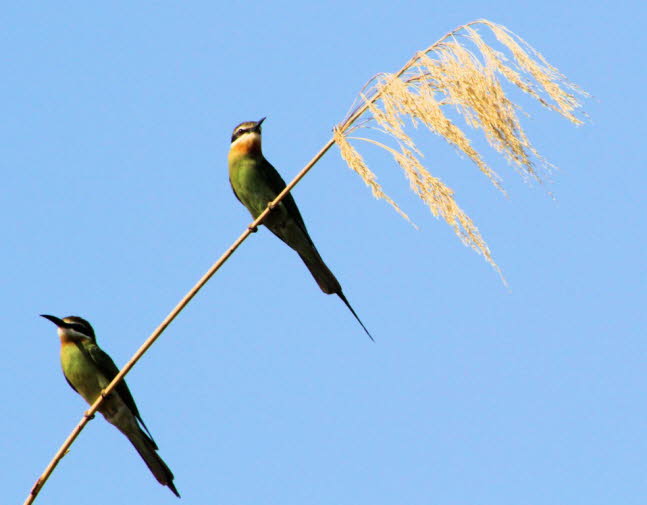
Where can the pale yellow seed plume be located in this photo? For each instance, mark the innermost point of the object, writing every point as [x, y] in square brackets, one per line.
[458, 77]
[356, 163]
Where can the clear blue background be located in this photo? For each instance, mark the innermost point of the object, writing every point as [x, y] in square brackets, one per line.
[116, 120]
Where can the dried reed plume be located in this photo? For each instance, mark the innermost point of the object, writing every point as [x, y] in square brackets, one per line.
[460, 72]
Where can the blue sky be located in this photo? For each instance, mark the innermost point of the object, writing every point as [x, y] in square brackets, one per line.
[115, 200]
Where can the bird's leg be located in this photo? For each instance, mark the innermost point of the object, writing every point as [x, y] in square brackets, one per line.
[271, 206]
[105, 396]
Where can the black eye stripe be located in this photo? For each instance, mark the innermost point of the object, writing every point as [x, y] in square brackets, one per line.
[80, 328]
[238, 133]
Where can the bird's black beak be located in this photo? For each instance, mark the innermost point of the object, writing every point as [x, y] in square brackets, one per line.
[258, 124]
[58, 322]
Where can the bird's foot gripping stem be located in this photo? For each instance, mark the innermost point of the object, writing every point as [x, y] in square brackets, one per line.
[252, 229]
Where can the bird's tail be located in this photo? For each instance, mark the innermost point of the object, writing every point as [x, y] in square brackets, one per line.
[328, 282]
[343, 299]
[147, 450]
[322, 274]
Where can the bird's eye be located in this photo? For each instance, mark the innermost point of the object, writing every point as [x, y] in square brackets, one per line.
[240, 131]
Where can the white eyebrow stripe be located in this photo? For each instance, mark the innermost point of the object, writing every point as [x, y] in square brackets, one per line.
[71, 332]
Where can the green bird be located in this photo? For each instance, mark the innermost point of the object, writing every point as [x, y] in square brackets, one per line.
[88, 370]
[256, 183]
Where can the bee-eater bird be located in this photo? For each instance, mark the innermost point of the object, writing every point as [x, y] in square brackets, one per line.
[89, 370]
[256, 183]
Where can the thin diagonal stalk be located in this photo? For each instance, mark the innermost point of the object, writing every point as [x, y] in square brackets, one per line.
[345, 125]
[160, 329]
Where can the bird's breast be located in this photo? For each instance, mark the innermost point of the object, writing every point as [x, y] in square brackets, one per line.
[250, 184]
[81, 372]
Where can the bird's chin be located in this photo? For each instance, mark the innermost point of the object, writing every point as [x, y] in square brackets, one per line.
[250, 143]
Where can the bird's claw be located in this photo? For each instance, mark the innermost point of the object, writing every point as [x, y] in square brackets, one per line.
[252, 229]
[90, 417]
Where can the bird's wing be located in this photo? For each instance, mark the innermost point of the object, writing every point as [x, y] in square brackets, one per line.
[277, 184]
[109, 370]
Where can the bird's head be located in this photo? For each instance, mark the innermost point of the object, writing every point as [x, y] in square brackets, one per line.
[72, 328]
[246, 138]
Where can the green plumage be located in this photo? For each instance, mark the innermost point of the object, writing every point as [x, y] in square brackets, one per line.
[256, 183]
[89, 370]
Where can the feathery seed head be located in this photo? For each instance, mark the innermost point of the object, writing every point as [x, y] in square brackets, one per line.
[458, 75]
